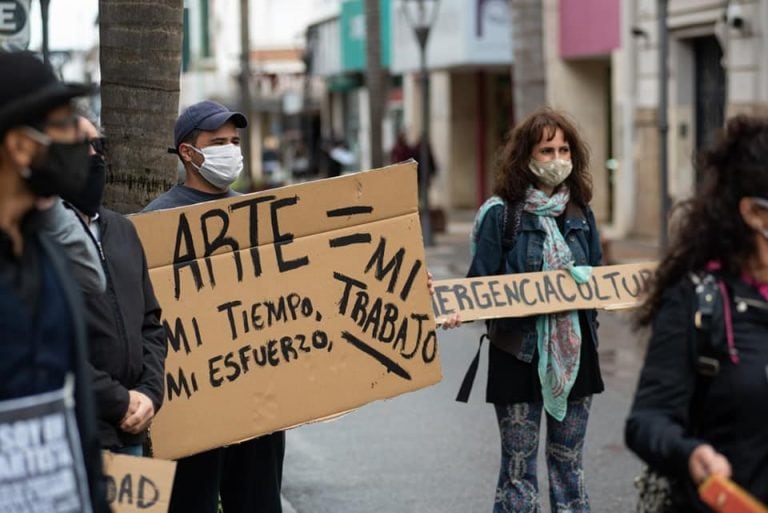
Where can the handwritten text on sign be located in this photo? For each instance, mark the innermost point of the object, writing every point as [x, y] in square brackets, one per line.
[138, 484]
[519, 295]
[289, 306]
[41, 462]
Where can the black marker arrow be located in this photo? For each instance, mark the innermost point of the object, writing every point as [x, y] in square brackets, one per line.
[387, 362]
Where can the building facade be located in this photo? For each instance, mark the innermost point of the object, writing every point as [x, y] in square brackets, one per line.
[718, 68]
[211, 66]
[469, 55]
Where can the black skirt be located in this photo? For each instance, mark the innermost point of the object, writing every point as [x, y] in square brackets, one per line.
[511, 380]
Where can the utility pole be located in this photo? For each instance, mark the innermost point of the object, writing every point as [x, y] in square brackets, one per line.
[245, 88]
[374, 79]
[44, 15]
[663, 124]
[420, 16]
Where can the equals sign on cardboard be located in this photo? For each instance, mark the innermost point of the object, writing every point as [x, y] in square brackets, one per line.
[355, 238]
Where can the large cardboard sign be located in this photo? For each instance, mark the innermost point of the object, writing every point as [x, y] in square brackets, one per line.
[288, 306]
[519, 295]
[138, 484]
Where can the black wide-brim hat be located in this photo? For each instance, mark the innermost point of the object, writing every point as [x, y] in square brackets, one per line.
[29, 90]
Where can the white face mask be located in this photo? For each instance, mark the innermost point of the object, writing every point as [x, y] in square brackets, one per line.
[222, 164]
[551, 173]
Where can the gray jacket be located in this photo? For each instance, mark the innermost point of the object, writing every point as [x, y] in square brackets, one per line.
[64, 226]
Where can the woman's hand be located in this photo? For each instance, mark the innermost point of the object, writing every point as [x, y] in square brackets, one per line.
[705, 461]
[451, 322]
[454, 321]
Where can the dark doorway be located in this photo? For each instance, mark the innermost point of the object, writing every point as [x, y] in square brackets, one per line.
[710, 90]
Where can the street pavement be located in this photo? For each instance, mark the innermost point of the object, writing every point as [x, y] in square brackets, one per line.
[423, 452]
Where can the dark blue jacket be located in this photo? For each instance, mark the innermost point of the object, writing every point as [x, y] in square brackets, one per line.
[36, 352]
[580, 231]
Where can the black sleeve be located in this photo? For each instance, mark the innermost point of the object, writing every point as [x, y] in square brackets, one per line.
[84, 403]
[110, 396]
[154, 345]
[656, 427]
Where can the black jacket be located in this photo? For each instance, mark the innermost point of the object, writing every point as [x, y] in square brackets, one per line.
[676, 409]
[126, 340]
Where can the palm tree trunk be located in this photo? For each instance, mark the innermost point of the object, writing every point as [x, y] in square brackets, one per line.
[528, 71]
[140, 66]
[374, 79]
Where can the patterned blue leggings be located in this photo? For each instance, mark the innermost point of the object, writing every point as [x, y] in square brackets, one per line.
[518, 490]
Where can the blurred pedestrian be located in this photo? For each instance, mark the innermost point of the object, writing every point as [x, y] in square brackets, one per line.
[402, 151]
[338, 157]
[41, 315]
[700, 405]
[126, 340]
[271, 162]
[248, 475]
[540, 220]
[433, 167]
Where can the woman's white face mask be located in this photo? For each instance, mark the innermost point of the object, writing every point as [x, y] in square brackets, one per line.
[222, 164]
[552, 172]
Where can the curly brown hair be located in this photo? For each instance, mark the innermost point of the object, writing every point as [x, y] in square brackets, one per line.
[711, 226]
[512, 174]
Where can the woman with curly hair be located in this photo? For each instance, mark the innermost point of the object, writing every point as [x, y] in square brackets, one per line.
[701, 406]
[541, 363]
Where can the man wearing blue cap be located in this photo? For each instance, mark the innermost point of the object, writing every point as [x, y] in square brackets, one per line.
[248, 475]
[207, 142]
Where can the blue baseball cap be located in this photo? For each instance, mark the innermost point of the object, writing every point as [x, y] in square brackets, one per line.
[206, 115]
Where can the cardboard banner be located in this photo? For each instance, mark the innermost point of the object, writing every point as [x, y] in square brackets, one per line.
[138, 484]
[518, 295]
[41, 460]
[287, 306]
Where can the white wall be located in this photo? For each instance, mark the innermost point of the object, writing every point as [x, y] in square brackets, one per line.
[71, 25]
[454, 40]
[279, 23]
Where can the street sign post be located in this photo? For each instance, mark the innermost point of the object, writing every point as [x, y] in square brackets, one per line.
[14, 25]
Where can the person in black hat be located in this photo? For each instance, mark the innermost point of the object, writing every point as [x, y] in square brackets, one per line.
[247, 476]
[42, 333]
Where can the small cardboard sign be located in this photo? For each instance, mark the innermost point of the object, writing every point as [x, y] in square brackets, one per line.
[41, 459]
[288, 306]
[138, 484]
[611, 287]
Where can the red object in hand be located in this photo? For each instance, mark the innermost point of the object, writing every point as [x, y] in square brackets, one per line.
[725, 496]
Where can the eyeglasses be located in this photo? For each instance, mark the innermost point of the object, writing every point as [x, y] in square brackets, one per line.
[760, 202]
[38, 135]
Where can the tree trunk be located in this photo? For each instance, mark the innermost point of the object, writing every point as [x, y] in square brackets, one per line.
[374, 79]
[140, 66]
[528, 72]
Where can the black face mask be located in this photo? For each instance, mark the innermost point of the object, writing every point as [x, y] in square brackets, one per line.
[89, 199]
[61, 170]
